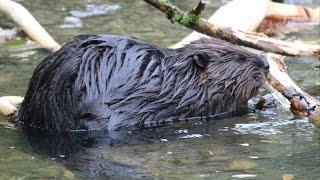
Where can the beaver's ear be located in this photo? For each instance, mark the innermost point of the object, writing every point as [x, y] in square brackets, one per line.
[200, 59]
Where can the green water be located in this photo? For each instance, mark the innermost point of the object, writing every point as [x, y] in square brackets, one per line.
[264, 145]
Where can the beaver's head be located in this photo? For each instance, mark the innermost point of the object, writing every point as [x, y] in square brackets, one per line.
[219, 75]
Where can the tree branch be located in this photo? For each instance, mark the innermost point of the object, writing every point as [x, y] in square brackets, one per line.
[252, 40]
[301, 103]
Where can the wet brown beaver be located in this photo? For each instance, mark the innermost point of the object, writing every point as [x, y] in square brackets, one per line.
[110, 82]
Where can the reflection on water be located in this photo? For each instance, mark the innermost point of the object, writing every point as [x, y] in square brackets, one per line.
[189, 151]
[263, 145]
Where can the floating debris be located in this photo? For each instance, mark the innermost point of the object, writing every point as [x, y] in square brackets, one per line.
[287, 177]
[211, 153]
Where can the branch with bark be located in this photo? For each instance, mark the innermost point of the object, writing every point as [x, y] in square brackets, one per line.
[253, 40]
[301, 103]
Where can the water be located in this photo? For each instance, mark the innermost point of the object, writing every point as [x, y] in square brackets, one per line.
[265, 145]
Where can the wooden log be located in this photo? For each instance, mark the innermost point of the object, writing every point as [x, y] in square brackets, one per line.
[293, 11]
[288, 18]
[6, 108]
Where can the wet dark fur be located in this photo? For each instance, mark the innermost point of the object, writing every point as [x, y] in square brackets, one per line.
[112, 82]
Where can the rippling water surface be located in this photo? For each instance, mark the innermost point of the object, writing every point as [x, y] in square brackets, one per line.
[265, 145]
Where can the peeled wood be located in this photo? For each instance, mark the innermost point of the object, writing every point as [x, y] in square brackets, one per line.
[28, 23]
[6, 108]
[14, 100]
[293, 11]
[288, 17]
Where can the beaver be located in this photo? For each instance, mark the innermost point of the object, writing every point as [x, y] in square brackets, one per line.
[110, 82]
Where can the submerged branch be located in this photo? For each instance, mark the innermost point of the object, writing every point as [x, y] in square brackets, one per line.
[252, 40]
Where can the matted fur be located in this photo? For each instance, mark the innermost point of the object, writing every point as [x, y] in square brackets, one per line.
[112, 82]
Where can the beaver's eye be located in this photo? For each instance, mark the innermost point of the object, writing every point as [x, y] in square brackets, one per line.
[200, 59]
[240, 57]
